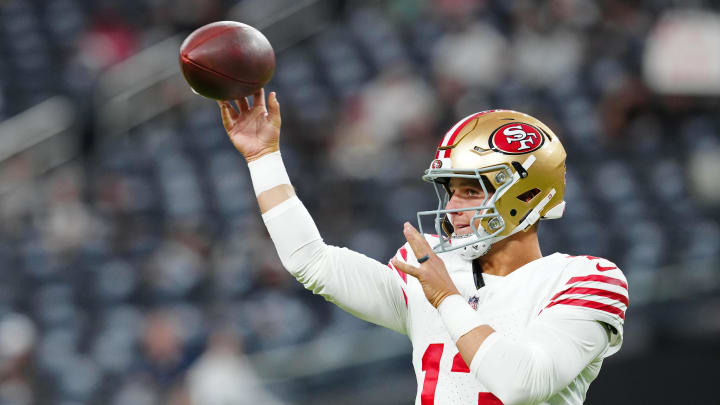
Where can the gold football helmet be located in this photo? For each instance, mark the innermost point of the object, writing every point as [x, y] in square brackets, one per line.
[520, 164]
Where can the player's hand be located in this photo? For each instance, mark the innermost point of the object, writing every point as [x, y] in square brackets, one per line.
[432, 274]
[255, 131]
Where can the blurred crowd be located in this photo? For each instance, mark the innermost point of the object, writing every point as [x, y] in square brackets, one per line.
[141, 273]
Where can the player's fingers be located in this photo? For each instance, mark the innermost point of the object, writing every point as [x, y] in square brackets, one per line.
[274, 109]
[226, 113]
[243, 105]
[406, 268]
[259, 99]
[227, 107]
[417, 242]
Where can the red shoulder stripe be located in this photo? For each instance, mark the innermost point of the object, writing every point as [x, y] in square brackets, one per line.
[402, 275]
[602, 279]
[590, 304]
[403, 253]
[593, 291]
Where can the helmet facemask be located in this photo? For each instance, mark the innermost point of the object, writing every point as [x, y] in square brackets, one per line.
[478, 241]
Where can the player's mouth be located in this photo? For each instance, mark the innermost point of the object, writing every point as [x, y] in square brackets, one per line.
[462, 229]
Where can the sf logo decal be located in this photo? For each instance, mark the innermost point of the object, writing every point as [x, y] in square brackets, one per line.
[515, 133]
[516, 138]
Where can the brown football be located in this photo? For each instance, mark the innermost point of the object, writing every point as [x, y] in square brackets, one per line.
[227, 60]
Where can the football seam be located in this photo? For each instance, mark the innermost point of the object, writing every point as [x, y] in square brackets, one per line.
[217, 34]
[207, 69]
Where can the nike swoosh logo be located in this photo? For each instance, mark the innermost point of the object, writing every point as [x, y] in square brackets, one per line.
[602, 268]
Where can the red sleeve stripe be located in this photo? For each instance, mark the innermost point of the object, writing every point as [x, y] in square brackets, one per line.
[403, 276]
[403, 253]
[589, 304]
[593, 291]
[602, 279]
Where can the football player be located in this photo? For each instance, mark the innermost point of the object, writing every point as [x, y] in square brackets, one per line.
[491, 320]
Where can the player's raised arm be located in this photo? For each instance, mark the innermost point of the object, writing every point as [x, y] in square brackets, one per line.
[255, 133]
[356, 283]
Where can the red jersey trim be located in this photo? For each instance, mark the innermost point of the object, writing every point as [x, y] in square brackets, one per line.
[403, 253]
[602, 279]
[589, 304]
[593, 291]
[403, 276]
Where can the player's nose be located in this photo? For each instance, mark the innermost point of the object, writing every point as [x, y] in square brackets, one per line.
[452, 204]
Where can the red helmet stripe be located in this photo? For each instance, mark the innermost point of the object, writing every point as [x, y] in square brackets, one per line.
[450, 135]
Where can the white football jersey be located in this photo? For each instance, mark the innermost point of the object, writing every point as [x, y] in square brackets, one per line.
[575, 287]
[556, 289]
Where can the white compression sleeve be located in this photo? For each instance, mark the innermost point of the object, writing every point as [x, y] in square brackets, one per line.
[291, 227]
[358, 284]
[546, 358]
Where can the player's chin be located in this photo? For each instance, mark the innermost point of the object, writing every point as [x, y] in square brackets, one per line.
[462, 231]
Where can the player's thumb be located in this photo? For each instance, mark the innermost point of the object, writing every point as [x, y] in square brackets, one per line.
[274, 109]
[405, 268]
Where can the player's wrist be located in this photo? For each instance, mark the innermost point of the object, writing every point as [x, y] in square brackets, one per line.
[457, 316]
[442, 297]
[262, 153]
[268, 171]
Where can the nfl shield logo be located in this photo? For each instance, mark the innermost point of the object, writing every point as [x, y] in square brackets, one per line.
[473, 301]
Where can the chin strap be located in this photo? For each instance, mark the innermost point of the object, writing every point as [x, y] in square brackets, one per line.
[473, 250]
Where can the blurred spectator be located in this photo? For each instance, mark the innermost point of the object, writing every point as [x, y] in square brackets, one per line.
[274, 311]
[472, 57]
[166, 358]
[18, 202]
[69, 223]
[704, 164]
[396, 103]
[223, 375]
[539, 37]
[180, 263]
[17, 340]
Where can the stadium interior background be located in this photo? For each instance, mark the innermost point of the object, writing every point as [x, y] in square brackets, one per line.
[136, 269]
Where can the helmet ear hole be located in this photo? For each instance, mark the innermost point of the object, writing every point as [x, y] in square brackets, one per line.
[528, 195]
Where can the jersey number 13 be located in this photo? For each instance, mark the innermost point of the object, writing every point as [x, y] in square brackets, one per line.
[431, 367]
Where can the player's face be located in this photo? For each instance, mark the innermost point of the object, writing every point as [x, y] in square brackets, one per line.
[464, 193]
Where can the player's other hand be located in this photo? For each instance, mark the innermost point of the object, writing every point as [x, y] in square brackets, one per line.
[432, 274]
[255, 131]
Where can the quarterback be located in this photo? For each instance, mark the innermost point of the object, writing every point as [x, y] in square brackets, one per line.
[491, 320]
